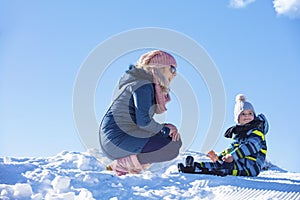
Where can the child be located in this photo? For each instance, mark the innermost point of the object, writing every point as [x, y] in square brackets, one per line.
[247, 152]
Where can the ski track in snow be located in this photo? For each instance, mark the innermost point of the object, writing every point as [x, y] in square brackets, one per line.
[76, 175]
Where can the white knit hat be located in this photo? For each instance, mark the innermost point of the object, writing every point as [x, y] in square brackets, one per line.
[240, 105]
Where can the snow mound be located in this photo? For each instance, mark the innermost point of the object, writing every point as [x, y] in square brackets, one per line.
[82, 175]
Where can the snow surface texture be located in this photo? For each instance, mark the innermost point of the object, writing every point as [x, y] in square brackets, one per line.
[74, 175]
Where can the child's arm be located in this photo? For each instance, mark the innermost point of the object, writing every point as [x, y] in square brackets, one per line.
[215, 157]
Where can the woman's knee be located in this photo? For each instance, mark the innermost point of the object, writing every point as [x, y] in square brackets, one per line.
[173, 150]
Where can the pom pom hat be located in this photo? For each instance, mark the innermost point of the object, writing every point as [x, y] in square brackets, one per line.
[240, 105]
[157, 57]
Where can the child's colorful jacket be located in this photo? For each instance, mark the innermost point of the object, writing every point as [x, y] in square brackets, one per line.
[248, 148]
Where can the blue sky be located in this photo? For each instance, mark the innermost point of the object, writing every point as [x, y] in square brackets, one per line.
[254, 44]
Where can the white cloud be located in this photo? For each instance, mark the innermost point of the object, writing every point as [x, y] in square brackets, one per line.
[290, 8]
[239, 3]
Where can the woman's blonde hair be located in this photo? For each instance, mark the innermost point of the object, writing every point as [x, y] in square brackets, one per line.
[155, 71]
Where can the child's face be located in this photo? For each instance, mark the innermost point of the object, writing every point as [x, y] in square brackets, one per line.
[246, 116]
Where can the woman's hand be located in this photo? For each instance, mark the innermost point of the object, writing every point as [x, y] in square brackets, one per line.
[173, 132]
[175, 136]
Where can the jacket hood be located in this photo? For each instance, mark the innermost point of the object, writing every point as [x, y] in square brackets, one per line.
[133, 74]
[260, 122]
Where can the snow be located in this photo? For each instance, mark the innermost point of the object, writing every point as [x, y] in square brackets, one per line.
[82, 175]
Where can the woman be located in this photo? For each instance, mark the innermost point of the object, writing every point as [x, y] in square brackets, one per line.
[129, 135]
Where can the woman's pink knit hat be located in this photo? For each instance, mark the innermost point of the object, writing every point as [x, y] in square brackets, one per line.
[157, 57]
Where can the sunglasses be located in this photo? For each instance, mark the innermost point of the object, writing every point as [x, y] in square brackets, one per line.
[173, 69]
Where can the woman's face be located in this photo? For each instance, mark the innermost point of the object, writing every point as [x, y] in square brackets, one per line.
[246, 116]
[169, 72]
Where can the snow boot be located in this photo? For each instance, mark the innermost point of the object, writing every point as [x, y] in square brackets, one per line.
[126, 165]
[192, 167]
[189, 161]
[189, 165]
